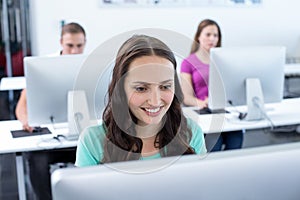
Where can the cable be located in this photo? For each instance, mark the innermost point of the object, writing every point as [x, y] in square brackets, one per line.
[241, 114]
[257, 103]
[52, 120]
[285, 129]
[49, 143]
[77, 117]
[58, 137]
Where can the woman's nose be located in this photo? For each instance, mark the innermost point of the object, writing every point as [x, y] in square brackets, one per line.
[154, 97]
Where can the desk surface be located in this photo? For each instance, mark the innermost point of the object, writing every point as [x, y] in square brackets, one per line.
[9, 144]
[13, 83]
[292, 69]
[285, 113]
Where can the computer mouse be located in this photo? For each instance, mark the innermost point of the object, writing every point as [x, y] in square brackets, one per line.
[37, 129]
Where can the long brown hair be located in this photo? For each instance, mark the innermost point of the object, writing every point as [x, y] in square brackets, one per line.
[121, 143]
[207, 22]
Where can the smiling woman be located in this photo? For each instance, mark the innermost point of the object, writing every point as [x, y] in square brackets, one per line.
[143, 117]
[150, 96]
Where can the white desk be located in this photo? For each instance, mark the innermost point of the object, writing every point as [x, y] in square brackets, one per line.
[13, 83]
[285, 113]
[292, 69]
[24, 144]
[31, 143]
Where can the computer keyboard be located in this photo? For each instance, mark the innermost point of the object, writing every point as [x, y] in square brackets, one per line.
[204, 111]
[36, 131]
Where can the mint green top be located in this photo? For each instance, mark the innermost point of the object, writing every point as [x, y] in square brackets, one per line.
[90, 144]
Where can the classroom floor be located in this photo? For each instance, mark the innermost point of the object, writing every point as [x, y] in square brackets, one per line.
[253, 138]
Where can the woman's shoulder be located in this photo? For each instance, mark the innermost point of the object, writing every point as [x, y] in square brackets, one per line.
[195, 128]
[197, 140]
[95, 131]
[90, 146]
[190, 58]
[192, 61]
[192, 124]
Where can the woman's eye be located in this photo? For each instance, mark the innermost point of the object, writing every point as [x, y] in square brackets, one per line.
[140, 89]
[166, 87]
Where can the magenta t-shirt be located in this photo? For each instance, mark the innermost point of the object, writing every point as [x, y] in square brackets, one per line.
[199, 72]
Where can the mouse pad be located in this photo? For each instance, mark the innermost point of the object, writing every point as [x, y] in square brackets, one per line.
[22, 133]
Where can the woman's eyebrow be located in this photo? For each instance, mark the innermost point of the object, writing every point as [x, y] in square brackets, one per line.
[148, 83]
[166, 81]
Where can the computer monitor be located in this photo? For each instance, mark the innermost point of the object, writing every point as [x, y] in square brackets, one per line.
[54, 95]
[268, 173]
[248, 75]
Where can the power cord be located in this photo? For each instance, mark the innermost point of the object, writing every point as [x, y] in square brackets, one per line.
[257, 103]
[241, 114]
[59, 136]
[52, 120]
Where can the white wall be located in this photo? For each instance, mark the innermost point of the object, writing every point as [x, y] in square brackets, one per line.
[273, 23]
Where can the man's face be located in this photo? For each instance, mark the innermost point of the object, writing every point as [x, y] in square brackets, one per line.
[72, 43]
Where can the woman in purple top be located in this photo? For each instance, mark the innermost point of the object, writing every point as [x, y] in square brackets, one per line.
[194, 78]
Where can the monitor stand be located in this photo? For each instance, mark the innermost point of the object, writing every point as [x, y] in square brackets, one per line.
[78, 114]
[255, 100]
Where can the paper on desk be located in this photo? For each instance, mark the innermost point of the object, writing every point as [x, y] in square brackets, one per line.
[13, 83]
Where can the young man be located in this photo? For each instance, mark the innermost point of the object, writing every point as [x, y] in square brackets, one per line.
[73, 40]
